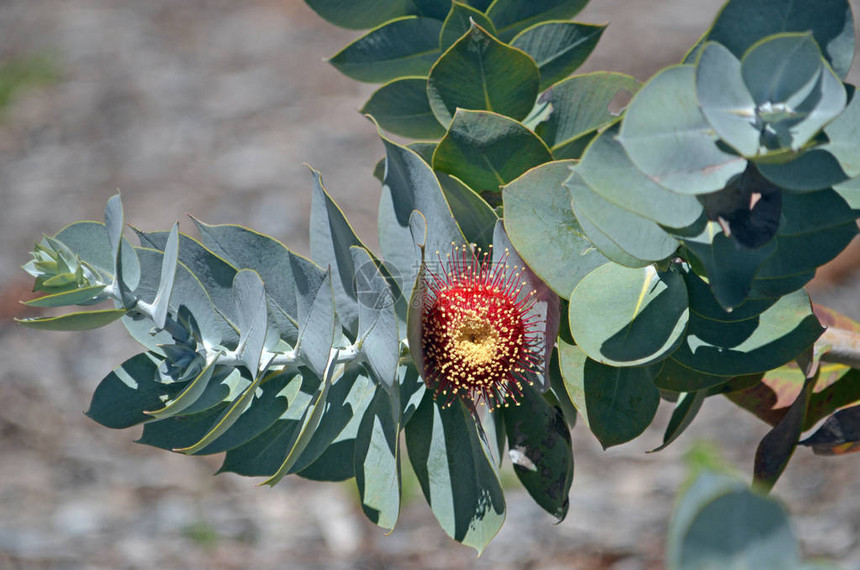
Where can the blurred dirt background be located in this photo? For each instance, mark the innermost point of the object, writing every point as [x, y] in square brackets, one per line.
[211, 107]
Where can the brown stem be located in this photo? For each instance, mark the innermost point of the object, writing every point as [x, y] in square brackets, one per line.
[844, 346]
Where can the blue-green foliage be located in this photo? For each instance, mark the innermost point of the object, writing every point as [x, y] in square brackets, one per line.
[678, 232]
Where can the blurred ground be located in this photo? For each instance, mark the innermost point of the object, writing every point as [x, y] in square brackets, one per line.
[210, 107]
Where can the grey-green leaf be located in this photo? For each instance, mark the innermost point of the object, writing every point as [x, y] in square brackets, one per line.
[617, 404]
[401, 107]
[762, 343]
[669, 139]
[487, 150]
[543, 229]
[378, 333]
[741, 23]
[80, 321]
[624, 237]
[459, 21]
[361, 14]
[398, 48]
[629, 317]
[540, 450]
[725, 100]
[513, 16]
[123, 396]
[580, 105]
[558, 48]
[377, 462]
[457, 476]
[479, 72]
[608, 171]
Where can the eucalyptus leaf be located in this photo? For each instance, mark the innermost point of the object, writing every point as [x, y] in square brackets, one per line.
[741, 23]
[180, 431]
[377, 462]
[668, 138]
[762, 343]
[331, 239]
[725, 99]
[264, 453]
[279, 267]
[250, 299]
[730, 268]
[89, 241]
[317, 324]
[277, 393]
[455, 471]
[411, 185]
[82, 296]
[795, 91]
[512, 16]
[778, 445]
[401, 107]
[214, 273]
[688, 405]
[378, 333]
[814, 169]
[486, 150]
[558, 48]
[629, 317]
[608, 171]
[720, 523]
[361, 14]
[581, 105]
[617, 404]
[345, 405]
[123, 396]
[843, 134]
[543, 229]
[624, 237]
[310, 421]
[475, 217]
[459, 21]
[401, 47]
[540, 450]
[190, 394]
[168, 275]
[80, 321]
[479, 72]
[675, 377]
[815, 228]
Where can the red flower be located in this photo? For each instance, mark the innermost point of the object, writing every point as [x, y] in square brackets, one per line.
[480, 337]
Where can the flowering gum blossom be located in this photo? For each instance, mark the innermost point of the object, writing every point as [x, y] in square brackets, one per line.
[479, 337]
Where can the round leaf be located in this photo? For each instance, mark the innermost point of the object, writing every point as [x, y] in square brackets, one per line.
[629, 317]
[459, 21]
[541, 225]
[669, 139]
[607, 170]
[580, 105]
[486, 150]
[480, 72]
[398, 48]
[512, 16]
[401, 107]
[617, 404]
[741, 23]
[725, 100]
[622, 236]
[558, 48]
[754, 345]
